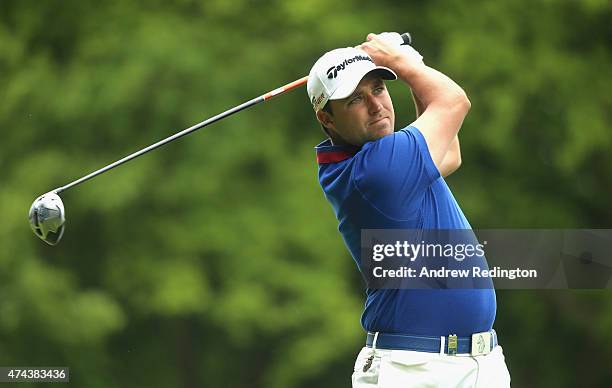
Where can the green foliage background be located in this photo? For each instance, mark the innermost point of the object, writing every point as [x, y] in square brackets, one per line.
[215, 261]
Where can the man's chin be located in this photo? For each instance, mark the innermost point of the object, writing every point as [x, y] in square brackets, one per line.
[380, 131]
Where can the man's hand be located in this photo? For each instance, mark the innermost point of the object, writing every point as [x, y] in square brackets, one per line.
[385, 51]
[381, 51]
[406, 49]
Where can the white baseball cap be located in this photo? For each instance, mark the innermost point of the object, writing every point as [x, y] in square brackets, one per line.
[338, 72]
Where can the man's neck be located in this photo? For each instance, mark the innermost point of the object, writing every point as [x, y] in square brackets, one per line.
[337, 141]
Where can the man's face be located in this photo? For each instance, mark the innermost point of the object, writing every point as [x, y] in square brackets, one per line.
[366, 115]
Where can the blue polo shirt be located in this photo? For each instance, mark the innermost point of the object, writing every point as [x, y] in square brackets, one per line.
[392, 183]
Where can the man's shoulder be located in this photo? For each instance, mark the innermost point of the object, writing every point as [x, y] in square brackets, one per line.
[406, 140]
[390, 156]
[397, 158]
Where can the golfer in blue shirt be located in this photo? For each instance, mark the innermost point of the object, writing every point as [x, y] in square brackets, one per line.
[378, 178]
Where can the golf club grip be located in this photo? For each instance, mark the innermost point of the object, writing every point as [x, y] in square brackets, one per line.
[407, 38]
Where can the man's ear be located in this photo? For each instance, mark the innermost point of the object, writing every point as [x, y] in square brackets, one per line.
[326, 119]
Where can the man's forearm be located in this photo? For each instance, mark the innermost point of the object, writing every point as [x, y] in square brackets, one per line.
[429, 85]
[418, 105]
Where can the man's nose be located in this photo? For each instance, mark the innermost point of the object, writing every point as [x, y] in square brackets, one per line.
[374, 106]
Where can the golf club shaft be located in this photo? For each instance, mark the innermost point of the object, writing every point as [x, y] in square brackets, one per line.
[229, 112]
[264, 97]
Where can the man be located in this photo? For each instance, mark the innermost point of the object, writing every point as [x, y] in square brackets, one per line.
[376, 178]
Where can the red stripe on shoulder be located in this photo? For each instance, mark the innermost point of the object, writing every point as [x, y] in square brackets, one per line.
[333, 157]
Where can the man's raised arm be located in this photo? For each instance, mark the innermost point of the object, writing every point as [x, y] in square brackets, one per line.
[444, 103]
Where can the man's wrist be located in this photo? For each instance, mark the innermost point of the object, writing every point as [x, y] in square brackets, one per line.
[407, 69]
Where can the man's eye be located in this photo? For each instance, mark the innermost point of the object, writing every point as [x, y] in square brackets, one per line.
[379, 90]
[354, 100]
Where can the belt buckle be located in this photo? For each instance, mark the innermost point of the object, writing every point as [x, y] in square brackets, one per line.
[452, 345]
[481, 343]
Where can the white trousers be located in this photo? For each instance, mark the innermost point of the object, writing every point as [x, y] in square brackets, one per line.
[407, 369]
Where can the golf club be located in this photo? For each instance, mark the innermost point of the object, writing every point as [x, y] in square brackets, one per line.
[47, 214]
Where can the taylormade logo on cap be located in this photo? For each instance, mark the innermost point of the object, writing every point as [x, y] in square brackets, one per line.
[338, 72]
[332, 72]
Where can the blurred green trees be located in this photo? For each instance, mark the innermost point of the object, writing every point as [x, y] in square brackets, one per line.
[216, 261]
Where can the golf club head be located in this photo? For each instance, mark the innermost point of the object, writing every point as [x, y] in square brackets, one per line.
[47, 218]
